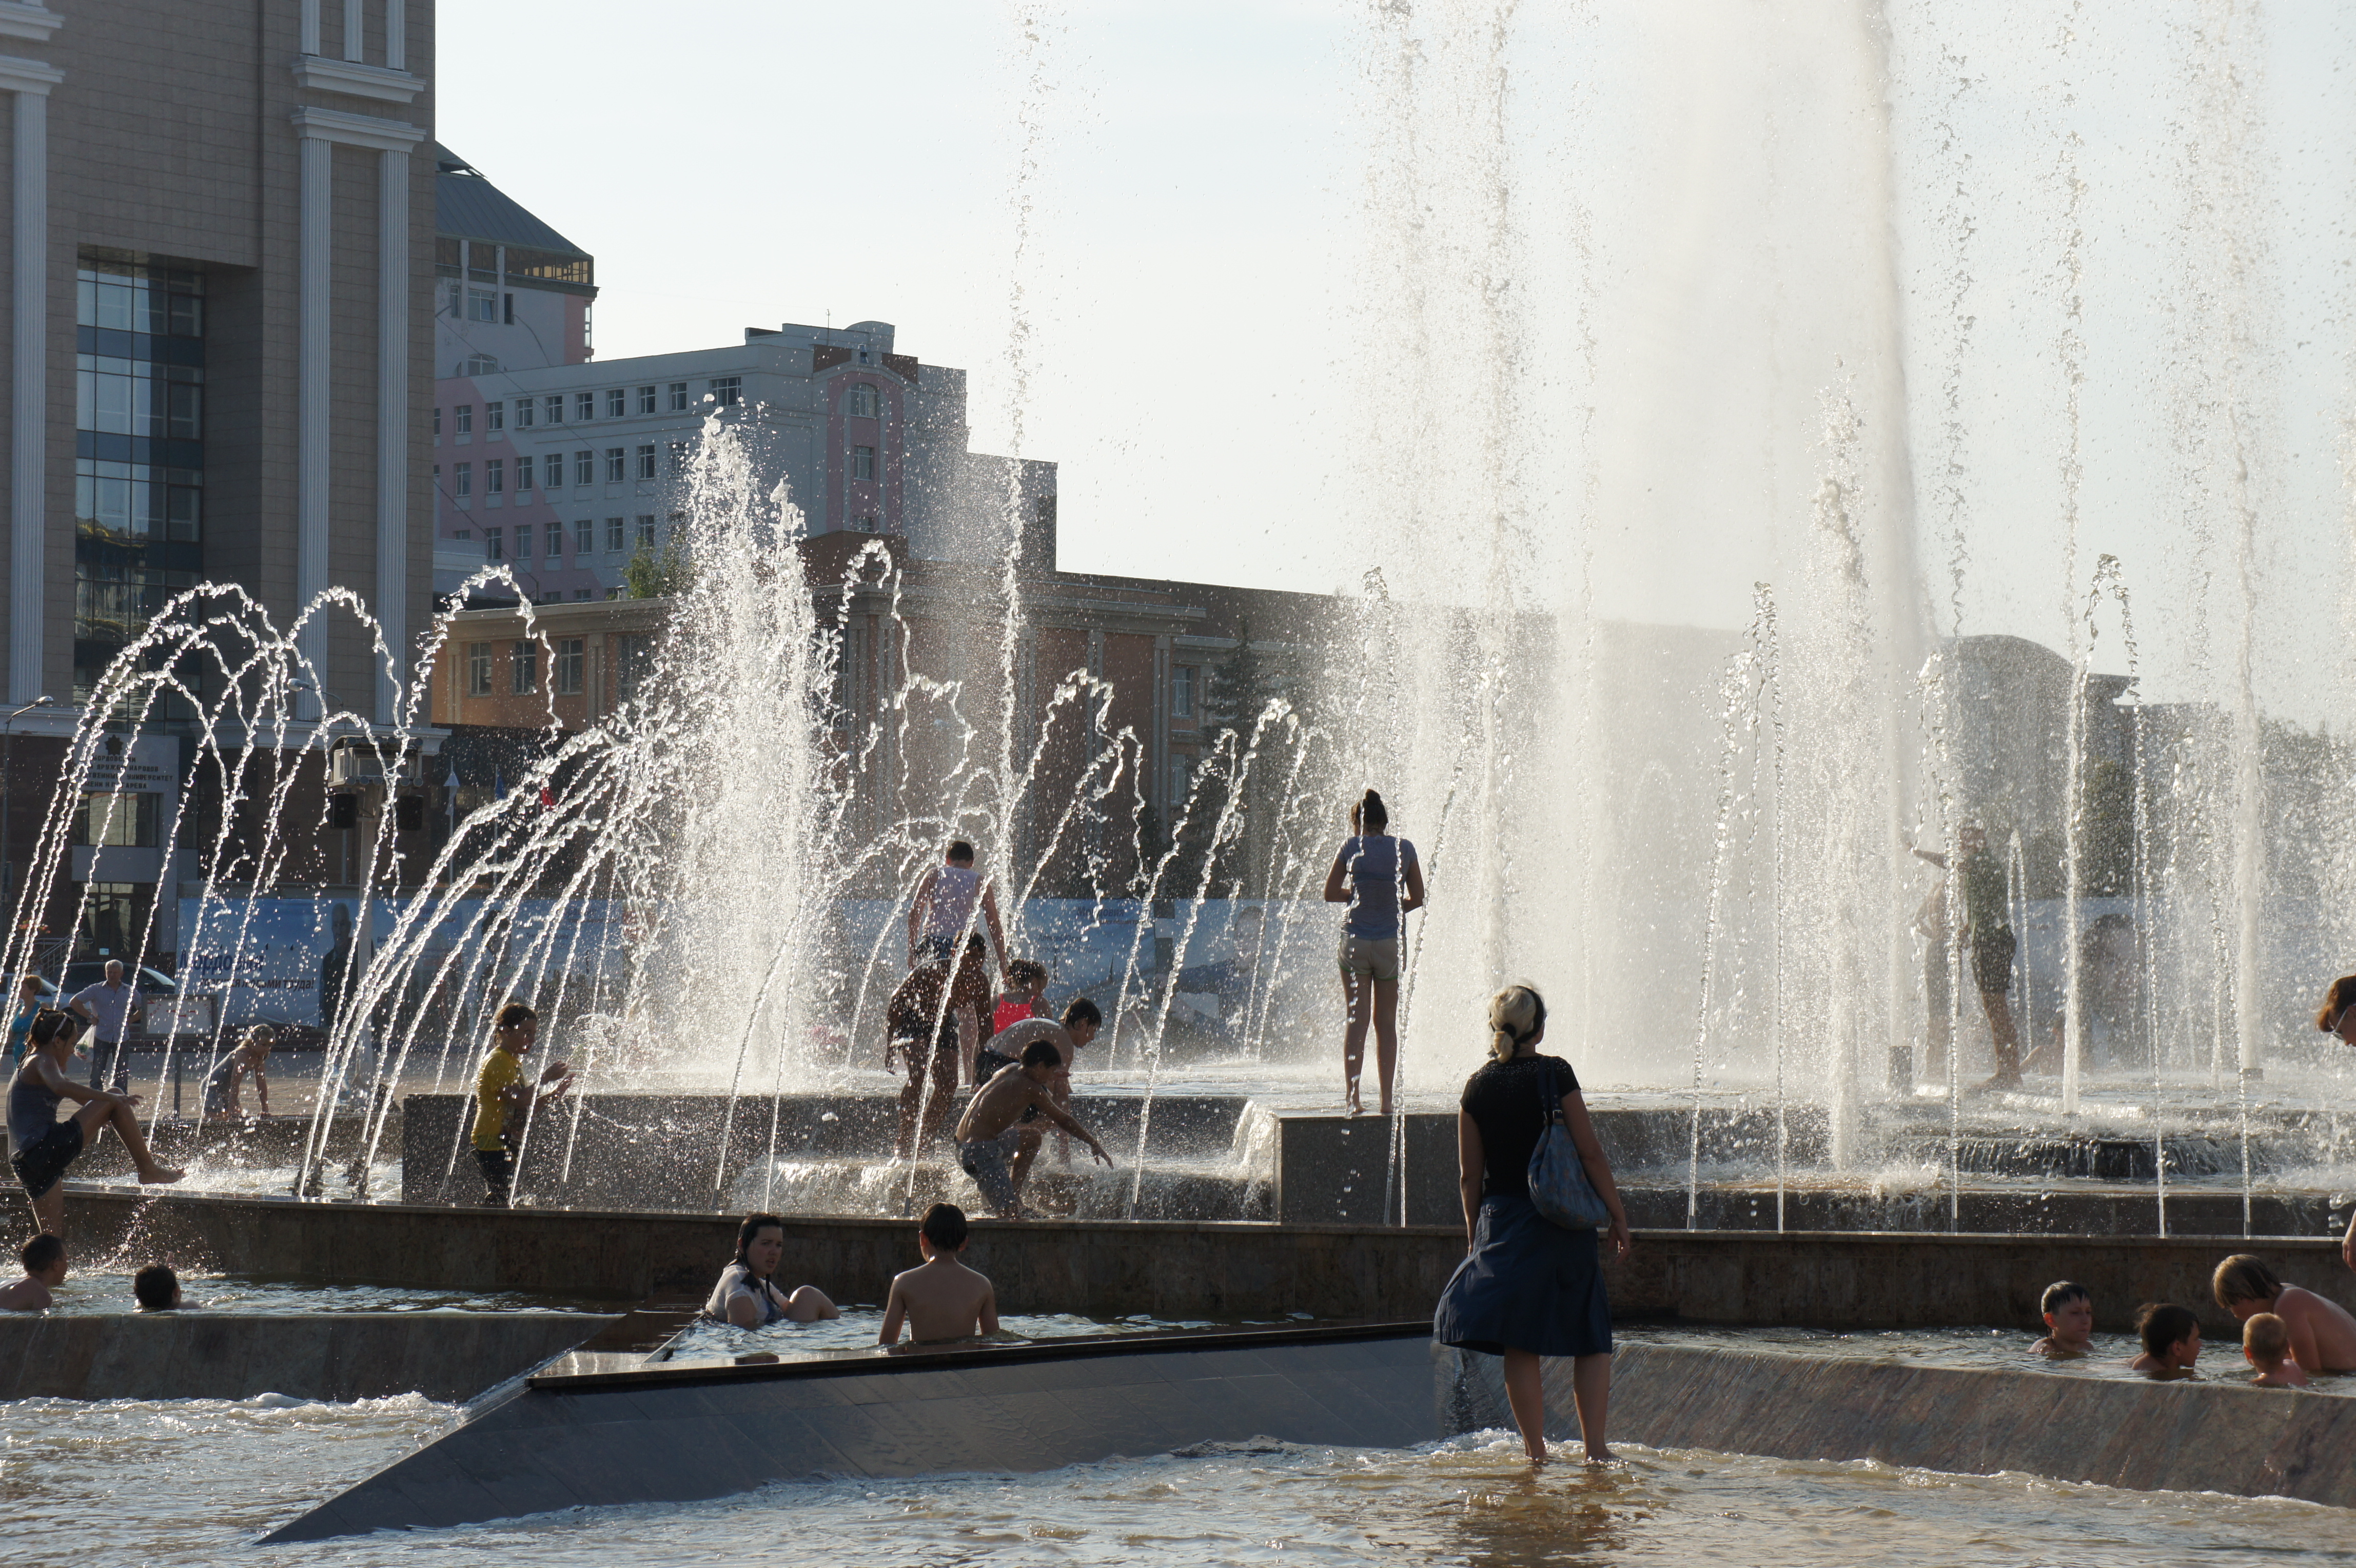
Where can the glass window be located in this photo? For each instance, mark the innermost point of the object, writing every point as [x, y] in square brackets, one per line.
[126, 503]
[679, 456]
[437, 422]
[523, 413]
[117, 821]
[523, 471]
[554, 533]
[613, 535]
[465, 419]
[646, 533]
[1181, 692]
[585, 405]
[678, 397]
[646, 464]
[617, 464]
[584, 467]
[646, 400]
[726, 391]
[580, 595]
[862, 402]
[495, 416]
[482, 305]
[465, 472]
[479, 668]
[523, 668]
[495, 545]
[616, 403]
[551, 408]
[495, 478]
[567, 669]
[585, 535]
[863, 462]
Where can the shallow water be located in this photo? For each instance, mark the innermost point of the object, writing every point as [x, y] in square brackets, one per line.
[194, 1482]
[91, 1292]
[2003, 1350]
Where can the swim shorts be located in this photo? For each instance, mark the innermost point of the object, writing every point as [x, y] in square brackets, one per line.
[498, 1176]
[41, 1165]
[1371, 958]
[1992, 960]
[985, 1161]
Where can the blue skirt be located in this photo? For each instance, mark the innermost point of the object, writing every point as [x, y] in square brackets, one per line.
[1527, 1284]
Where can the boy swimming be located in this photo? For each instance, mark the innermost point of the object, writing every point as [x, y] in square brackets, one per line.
[941, 1299]
[2069, 1311]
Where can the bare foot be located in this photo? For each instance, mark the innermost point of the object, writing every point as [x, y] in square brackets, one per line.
[159, 1176]
[1536, 1455]
[1599, 1455]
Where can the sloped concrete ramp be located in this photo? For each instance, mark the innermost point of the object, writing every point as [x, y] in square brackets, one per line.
[586, 1432]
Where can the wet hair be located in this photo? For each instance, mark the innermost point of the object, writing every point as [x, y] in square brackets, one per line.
[2061, 1293]
[2245, 1278]
[261, 1035]
[41, 1252]
[1083, 1010]
[1369, 815]
[46, 1025]
[2163, 1324]
[944, 1227]
[2336, 1001]
[154, 1287]
[1516, 1014]
[1022, 974]
[753, 1225]
[514, 1014]
[1042, 1053]
[960, 852]
[2266, 1340]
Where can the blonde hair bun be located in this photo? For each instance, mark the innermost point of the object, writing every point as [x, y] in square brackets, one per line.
[1516, 1014]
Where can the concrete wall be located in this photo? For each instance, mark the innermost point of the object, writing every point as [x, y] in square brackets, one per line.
[319, 1356]
[1177, 1270]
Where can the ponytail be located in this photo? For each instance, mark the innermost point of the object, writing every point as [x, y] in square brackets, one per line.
[1369, 815]
[1516, 1015]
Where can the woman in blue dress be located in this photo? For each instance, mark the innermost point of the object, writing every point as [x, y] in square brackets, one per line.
[1528, 1288]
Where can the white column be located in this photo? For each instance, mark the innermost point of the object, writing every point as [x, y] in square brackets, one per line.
[355, 37]
[311, 399]
[310, 44]
[29, 373]
[392, 427]
[396, 34]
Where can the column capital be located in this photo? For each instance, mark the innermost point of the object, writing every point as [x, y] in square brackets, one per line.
[356, 130]
[21, 75]
[320, 74]
[20, 20]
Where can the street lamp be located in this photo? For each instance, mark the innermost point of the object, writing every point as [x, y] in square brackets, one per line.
[8, 786]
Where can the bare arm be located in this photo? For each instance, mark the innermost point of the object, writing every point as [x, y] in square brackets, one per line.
[1062, 1118]
[1934, 856]
[895, 1312]
[743, 1311]
[1415, 900]
[2302, 1343]
[1599, 1169]
[996, 931]
[1471, 1159]
[988, 1309]
[918, 907]
[1337, 882]
[261, 1090]
[2347, 1243]
[46, 1069]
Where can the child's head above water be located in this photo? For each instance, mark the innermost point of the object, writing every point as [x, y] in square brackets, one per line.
[2168, 1332]
[2069, 1311]
[2266, 1342]
[2244, 1281]
[944, 1227]
[155, 1288]
[1027, 978]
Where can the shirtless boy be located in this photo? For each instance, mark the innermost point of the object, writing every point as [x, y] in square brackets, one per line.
[2069, 1310]
[44, 1258]
[2322, 1334]
[990, 1133]
[2266, 1345]
[1081, 1021]
[943, 1299]
[41, 1146]
[2171, 1340]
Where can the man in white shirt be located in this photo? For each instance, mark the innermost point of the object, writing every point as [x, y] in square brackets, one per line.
[108, 1007]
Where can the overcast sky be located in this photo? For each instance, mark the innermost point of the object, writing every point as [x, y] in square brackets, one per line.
[1201, 359]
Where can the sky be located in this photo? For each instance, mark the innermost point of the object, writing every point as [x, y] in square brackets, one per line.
[1745, 210]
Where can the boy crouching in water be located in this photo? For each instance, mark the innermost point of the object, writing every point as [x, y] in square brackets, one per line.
[2266, 1345]
[943, 1299]
[2069, 1310]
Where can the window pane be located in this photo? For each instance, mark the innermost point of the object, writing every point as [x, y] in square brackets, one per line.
[646, 400]
[585, 405]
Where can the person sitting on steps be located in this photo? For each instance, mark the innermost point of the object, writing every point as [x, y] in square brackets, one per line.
[41, 1146]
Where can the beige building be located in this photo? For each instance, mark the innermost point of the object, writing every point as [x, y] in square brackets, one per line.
[220, 325]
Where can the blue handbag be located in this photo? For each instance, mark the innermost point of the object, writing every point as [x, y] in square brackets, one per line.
[1560, 1189]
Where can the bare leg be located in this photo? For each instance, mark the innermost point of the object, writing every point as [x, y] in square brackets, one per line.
[970, 1044]
[912, 1094]
[941, 1099]
[2004, 1034]
[1357, 1001]
[1525, 1393]
[49, 1210]
[808, 1304]
[1590, 1391]
[125, 1122]
[1386, 1037]
[1026, 1149]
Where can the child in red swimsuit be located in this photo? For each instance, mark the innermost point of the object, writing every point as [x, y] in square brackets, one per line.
[1026, 980]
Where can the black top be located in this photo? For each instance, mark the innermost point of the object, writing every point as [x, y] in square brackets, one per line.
[1509, 1103]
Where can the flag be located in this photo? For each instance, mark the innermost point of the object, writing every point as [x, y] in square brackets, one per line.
[498, 785]
[547, 798]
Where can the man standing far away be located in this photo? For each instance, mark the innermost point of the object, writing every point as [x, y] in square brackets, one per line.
[504, 1102]
[939, 917]
[1988, 930]
[108, 1007]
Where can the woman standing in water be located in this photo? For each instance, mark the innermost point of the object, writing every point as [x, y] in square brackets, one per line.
[1378, 877]
[1527, 1287]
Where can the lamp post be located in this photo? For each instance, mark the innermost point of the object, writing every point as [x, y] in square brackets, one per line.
[8, 786]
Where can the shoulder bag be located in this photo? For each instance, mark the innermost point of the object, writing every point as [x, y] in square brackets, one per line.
[1560, 1189]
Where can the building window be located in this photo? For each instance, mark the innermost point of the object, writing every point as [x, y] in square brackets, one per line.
[646, 533]
[495, 545]
[523, 413]
[554, 533]
[495, 476]
[726, 391]
[580, 595]
[479, 668]
[862, 402]
[523, 662]
[863, 462]
[465, 411]
[584, 467]
[616, 403]
[614, 536]
[584, 536]
[465, 472]
[478, 365]
[647, 460]
[679, 456]
[482, 305]
[495, 416]
[617, 464]
[678, 397]
[646, 400]
[567, 668]
[585, 405]
[507, 309]
[867, 525]
[462, 533]
[551, 408]
[523, 471]
[437, 422]
[1181, 692]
